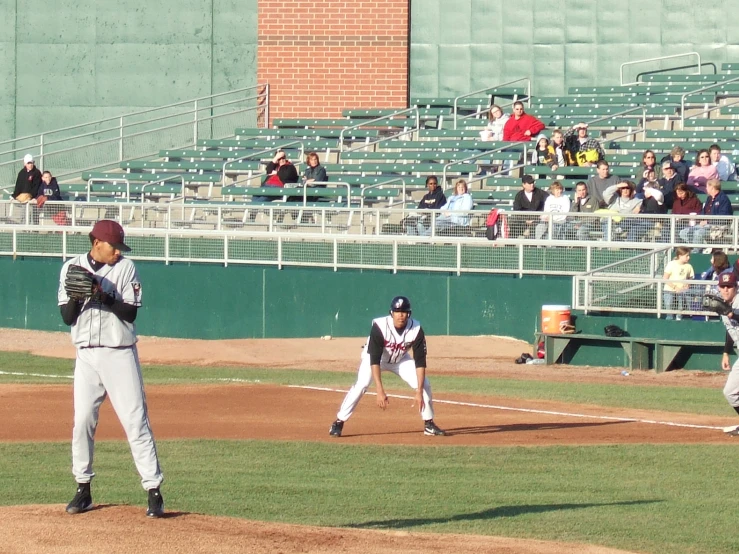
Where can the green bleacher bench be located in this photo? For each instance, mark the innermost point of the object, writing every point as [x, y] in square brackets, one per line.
[729, 110]
[705, 79]
[584, 100]
[424, 155]
[400, 168]
[562, 348]
[691, 134]
[666, 91]
[565, 122]
[449, 144]
[155, 166]
[256, 142]
[600, 111]
[720, 123]
[306, 133]
[729, 66]
[621, 171]
[403, 123]
[366, 180]
[149, 177]
[222, 154]
[468, 101]
[424, 113]
[667, 145]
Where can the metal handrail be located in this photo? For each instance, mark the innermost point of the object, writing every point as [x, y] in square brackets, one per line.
[389, 116]
[378, 185]
[128, 186]
[659, 58]
[684, 96]
[132, 114]
[528, 93]
[709, 110]
[160, 181]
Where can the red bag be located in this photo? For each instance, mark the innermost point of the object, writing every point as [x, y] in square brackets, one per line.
[496, 225]
[274, 181]
[60, 218]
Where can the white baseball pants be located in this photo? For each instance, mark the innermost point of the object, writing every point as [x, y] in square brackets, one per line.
[406, 370]
[731, 389]
[113, 372]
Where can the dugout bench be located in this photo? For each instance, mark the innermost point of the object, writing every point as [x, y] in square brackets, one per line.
[641, 352]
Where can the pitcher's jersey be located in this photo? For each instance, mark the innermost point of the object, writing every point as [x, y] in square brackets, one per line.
[96, 324]
[731, 323]
[388, 345]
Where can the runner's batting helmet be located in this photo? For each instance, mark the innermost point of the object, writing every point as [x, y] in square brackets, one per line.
[400, 304]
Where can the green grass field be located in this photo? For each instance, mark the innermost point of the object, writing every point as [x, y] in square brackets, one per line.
[646, 498]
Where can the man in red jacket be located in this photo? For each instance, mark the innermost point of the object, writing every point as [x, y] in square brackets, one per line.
[521, 126]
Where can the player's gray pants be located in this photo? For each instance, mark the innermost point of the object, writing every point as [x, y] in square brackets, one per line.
[731, 389]
[406, 370]
[113, 372]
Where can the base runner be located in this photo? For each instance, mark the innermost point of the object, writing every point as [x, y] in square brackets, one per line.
[99, 296]
[387, 349]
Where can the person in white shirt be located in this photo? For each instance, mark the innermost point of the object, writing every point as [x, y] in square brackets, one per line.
[555, 202]
[725, 167]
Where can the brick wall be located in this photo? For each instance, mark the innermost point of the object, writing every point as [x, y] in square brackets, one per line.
[322, 56]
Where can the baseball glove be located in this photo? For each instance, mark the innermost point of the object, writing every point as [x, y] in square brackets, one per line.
[79, 283]
[714, 303]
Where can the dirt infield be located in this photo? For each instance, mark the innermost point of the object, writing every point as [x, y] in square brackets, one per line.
[223, 411]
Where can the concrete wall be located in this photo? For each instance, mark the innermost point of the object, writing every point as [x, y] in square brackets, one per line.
[66, 62]
[466, 45]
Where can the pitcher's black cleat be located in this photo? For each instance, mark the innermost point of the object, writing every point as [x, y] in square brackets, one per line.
[430, 428]
[82, 501]
[336, 428]
[156, 504]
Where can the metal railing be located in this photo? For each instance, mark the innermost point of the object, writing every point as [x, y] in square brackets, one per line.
[657, 59]
[702, 89]
[106, 143]
[373, 123]
[488, 89]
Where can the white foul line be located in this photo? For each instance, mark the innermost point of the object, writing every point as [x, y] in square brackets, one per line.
[530, 410]
[18, 373]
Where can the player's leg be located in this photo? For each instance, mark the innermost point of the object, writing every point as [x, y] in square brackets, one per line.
[89, 394]
[731, 393]
[406, 370]
[355, 394]
[124, 383]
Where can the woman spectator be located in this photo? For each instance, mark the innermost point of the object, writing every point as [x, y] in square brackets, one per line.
[314, 173]
[461, 201]
[558, 203]
[649, 163]
[496, 121]
[685, 203]
[621, 200]
[702, 171]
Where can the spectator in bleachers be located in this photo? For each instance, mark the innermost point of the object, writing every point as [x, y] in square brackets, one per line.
[668, 182]
[622, 201]
[460, 201]
[725, 167]
[28, 181]
[719, 264]
[434, 199]
[678, 269]
[496, 121]
[649, 163]
[521, 126]
[49, 189]
[280, 172]
[586, 204]
[682, 168]
[314, 173]
[544, 153]
[583, 150]
[653, 203]
[717, 203]
[529, 199]
[560, 149]
[685, 203]
[702, 172]
[556, 202]
[597, 184]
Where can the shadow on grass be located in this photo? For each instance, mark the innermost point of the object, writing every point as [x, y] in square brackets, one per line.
[492, 513]
[481, 430]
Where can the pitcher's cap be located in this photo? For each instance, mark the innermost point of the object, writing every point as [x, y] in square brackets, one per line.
[111, 232]
[727, 279]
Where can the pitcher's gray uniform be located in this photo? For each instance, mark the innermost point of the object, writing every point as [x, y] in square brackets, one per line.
[107, 365]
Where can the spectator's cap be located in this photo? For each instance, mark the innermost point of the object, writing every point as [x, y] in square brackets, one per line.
[528, 180]
[669, 164]
[28, 158]
[727, 279]
[111, 232]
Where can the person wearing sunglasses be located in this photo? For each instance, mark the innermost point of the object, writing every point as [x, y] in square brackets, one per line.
[702, 172]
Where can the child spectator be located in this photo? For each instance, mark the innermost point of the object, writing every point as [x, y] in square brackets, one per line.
[544, 153]
[682, 168]
[555, 202]
[724, 166]
[678, 269]
[49, 189]
[560, 149]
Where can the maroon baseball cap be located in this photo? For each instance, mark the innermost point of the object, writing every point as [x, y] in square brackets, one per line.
[111, 232]
[727, 279]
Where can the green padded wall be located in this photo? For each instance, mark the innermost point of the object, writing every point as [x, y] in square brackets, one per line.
[466, 45]
[211, 301]
[71, 61]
